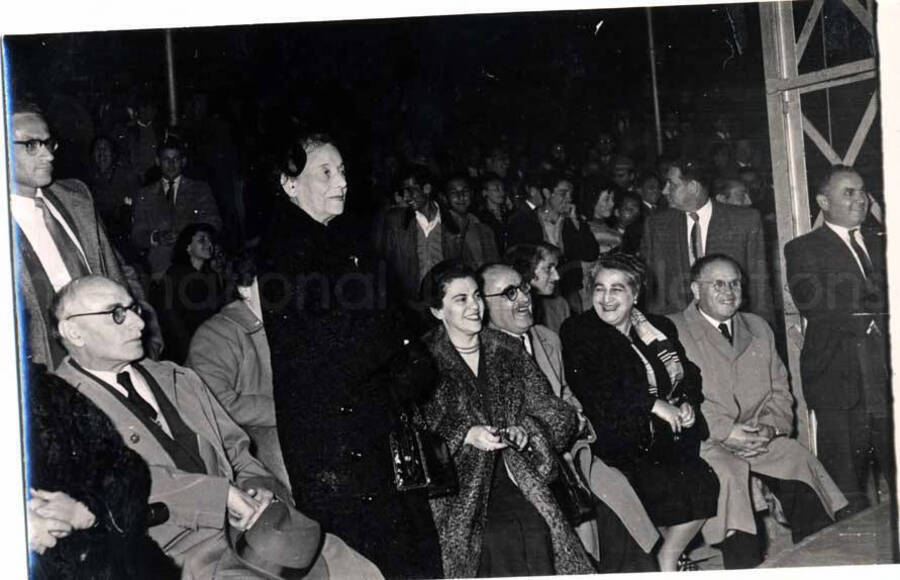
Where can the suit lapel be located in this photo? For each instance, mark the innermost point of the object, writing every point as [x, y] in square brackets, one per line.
[135, 433]
[681, 232]
[875, 240]
[741, 334]
[719, 228]
[702, 330]
[74, 216]
[542, 357]
[840, 251]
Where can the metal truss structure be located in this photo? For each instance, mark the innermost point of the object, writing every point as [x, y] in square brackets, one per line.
[783, 50]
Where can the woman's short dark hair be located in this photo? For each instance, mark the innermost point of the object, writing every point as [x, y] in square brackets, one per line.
[524, 258]
[179, 252]
[633, 267]
[434, 285]
[590, 193]
[292, 158]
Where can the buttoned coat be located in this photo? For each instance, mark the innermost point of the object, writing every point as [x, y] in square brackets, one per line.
[607, 483]
[332, 335]
[73, 200]
[746, 382]
[516, 392]
[733, 231]
[230, 352]
[194, 203]
[839, 304]
[194, 535]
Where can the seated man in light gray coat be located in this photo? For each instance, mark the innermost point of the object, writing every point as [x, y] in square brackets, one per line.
[231, 354]
[622, 536]
[748, 407]
[199, 459]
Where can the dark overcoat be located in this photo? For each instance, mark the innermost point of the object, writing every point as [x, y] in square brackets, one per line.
[610, 380]
[74, 448]
[518, 394]
[840, 306]
[334, 340]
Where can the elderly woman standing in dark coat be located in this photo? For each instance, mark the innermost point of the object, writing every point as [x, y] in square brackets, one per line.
[337, 349]
[503, 426]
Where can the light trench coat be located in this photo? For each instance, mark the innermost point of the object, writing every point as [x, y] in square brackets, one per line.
[746, 382]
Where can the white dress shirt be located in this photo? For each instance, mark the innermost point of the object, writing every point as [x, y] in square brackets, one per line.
[705, 215]
[165, 187]
[31, 220]
[428, 226]
[140, 386]
[716, 323]
[844, 234]
[525, 337]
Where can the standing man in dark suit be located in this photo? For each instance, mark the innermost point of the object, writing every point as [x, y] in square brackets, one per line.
[524, 224]
[58, 236]
[836, 274]
[692, 227]
[164, 208]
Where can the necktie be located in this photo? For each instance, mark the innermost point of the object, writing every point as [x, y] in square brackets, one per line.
[525, 345]
[723, 328]
[861, 254]
[696, 246]
[170, 191]
[68, 251]
[138, 401]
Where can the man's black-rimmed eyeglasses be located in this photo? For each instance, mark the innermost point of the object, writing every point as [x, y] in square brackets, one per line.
[118, 313]
[32, 146]
[512, 291]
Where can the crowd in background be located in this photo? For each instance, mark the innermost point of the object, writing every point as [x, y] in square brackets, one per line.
[512, 291]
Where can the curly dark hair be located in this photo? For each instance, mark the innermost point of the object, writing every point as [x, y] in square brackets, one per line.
[179, 252]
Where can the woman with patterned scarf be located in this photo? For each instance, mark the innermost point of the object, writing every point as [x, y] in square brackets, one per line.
[643, 398]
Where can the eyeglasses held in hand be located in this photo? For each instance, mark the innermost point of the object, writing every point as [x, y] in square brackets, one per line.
[118, 312]
[512, 291]
[32, 146]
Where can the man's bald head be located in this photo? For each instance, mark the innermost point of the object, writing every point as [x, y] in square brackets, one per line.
[98, 323]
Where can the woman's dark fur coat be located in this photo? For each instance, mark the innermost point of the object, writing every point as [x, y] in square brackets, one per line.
[337, 349]
[73, 447]
[519, 395]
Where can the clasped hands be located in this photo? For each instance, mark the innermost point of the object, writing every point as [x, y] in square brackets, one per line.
[53, 515]
[749, 440]
[678, 417]
[245, 506]
[488, 438]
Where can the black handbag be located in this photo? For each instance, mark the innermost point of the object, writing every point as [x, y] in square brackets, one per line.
[574, 498]
[421, 459]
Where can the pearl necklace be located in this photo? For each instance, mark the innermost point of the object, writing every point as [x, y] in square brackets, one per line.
[467, 349]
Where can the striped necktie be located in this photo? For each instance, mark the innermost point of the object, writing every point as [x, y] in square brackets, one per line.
[68, 251]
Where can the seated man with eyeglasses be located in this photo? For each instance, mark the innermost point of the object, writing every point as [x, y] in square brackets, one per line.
[749, 409]
[622, 535]
[199, 458]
